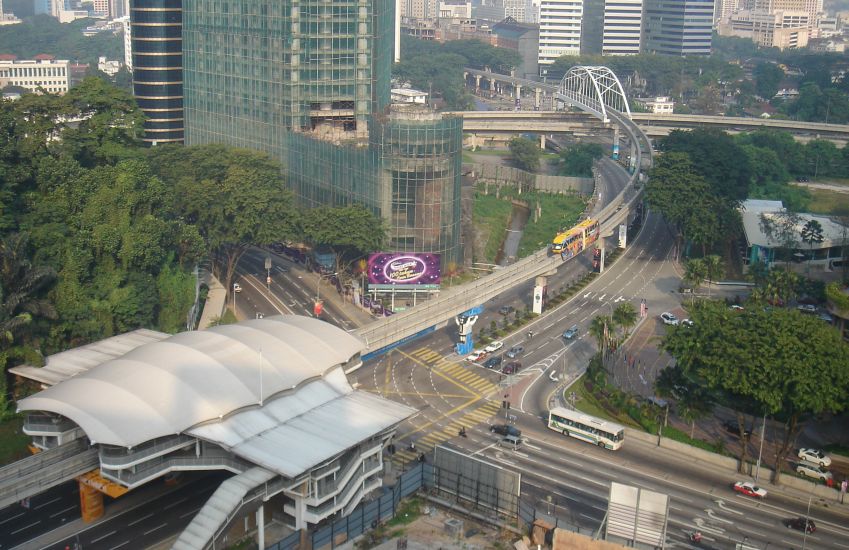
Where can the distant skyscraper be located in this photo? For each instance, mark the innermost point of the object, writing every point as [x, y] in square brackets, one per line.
[678, 27]
[559, 29]
[156, 27]
[622, 31]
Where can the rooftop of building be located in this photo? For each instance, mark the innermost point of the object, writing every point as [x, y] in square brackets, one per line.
[512, 28]
[752, 209]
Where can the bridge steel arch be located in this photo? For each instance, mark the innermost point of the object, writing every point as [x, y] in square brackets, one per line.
[595, 89]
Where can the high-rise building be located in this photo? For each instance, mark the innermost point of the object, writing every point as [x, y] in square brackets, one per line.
[622, 31]
[678, 27]
[559, 29]
[308, 81]
[156, 27]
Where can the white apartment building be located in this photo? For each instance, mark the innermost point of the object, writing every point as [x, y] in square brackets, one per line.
[515, 9]
[622, 27]
[454, 10]
[48, 74]
[128, 42]
[559, 29]
[661, 105]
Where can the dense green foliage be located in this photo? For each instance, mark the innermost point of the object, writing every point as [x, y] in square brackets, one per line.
[44, 34]
[776, 362]
[437, 67]
[525, 154]
[578, 159]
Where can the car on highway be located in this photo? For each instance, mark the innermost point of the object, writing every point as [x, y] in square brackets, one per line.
[750, 489]
[570, 333]
[494, 346]
[492, 362]
[807, 308]
[814, 456]
[515, 351]
[237, 287]
[476, 355]
[733, 428]
[506, 310]
[512, 367]
[815, 471]
[505, 429]
[801, 524]
[669, 319]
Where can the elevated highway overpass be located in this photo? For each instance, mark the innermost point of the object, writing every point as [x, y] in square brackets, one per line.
[576, 122]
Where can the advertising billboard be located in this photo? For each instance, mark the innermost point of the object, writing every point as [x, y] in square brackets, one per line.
[403, 269]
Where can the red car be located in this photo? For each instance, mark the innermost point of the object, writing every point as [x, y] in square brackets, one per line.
[749, 489]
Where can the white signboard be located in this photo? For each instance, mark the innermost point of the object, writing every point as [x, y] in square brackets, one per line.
[623, 235]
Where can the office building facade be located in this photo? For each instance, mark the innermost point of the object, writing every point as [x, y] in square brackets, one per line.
[49, 75]
[559, 29]
[308, 82]
[155, 34]
[678, 27]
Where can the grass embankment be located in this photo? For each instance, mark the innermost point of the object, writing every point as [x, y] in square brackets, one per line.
[827, 202]
[13, 442]
[491, 216]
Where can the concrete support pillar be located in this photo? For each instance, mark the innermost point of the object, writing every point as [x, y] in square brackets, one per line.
[477, 83]
[518, 91]
[542, 141]
[539, 292]
[632, 163]
[537, 93]
[260, 527]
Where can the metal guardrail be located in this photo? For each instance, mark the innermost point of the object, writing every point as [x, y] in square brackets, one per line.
[37, 473]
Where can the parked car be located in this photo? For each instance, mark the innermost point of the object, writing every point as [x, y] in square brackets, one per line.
[476, 356]
[687, 323]
[512, 367]
[669, 319]
[237, 287]
[494, 346]
[750, 489]
[736, 307]
[506, 310]
[826, 317]
[807, 308]
[802, 179]
[492, 362]
[815, 456]
[570, 333]
[801, 524]
[505, 429]
[732, 427]
[815, 471]
[515, 351]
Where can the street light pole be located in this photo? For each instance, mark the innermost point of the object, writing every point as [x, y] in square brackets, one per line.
[805, 526]
[761, 449]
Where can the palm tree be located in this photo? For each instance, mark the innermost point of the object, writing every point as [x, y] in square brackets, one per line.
[695, 272]
[695, 405]
[812, 234]
[598, 329]
[714, 267]
[625, 315]
[22, 287]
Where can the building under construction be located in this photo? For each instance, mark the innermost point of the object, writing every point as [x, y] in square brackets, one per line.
[309, 83]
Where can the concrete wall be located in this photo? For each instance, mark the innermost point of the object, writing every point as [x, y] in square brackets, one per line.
[499, 175]
[730, 464]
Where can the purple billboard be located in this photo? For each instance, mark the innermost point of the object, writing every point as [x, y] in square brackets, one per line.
[386, 270]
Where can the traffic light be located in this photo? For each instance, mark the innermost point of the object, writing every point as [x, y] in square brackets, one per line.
[597, 260]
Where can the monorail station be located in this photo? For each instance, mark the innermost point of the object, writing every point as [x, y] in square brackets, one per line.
[265, 399]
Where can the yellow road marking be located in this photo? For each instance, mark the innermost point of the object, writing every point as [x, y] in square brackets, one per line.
[441, 375]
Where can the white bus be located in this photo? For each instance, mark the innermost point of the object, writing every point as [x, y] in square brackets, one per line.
[586, 428]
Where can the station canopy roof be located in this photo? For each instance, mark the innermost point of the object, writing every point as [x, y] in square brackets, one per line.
[257, 388]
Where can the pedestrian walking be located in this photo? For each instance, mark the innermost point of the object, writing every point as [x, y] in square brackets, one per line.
[843, 486]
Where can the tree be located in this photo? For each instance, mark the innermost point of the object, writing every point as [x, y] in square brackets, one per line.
[781, 228]
[525, 154]
[598, 329]
[717, 157]
[812, 234]
[714, 267]
[761, 362]
[767, 78]
[625, 316]
[693, 401]
[695, 272]
[23, 287]
[349, 231]
[577, 160]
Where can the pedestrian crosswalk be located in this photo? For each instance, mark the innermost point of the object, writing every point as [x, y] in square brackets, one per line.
[480, 412]
[464, 375]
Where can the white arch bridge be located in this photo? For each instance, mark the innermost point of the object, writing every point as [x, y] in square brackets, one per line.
[591, 88]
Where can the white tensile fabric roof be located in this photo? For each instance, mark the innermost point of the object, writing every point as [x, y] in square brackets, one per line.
[166, 387]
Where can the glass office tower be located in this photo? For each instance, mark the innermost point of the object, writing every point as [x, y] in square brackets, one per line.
[308, 82]
[678, 27]
[157, 68]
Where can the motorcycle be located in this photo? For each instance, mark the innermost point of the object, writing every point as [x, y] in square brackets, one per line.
[696, 537]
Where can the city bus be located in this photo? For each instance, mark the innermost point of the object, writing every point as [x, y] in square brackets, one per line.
[586, 428]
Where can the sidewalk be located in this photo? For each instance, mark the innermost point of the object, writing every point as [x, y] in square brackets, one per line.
[216, 298]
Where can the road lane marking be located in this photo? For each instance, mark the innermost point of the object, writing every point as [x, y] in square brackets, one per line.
[104, 536]
[157, 527]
